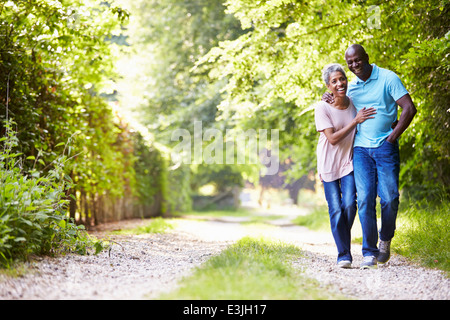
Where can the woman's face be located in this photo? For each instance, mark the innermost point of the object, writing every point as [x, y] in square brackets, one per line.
[337, 84]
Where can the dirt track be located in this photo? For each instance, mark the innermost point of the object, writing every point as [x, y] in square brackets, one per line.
[143, 267]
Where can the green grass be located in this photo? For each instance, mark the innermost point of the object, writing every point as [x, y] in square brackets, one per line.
[156, 225]
[253, 269]
[317, 220]
[217, 212]
[423, 234]
[250, 215]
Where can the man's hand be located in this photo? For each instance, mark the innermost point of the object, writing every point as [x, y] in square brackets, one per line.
[394, 124]
[328, 97]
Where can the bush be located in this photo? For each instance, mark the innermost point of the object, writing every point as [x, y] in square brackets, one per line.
[33, 211]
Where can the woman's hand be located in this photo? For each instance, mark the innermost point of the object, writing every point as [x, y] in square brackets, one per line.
[364, 114]
[335, 137]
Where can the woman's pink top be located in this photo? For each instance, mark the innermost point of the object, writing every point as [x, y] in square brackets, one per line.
[334, 162]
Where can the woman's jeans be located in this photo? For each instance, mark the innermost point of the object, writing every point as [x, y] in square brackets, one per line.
[341, 198]
[377, 172]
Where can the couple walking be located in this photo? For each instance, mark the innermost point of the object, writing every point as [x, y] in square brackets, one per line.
[358, 152]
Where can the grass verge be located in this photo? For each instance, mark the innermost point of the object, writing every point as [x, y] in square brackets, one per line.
[317, 220]
[252, 269]
[156, 225]
[246, 213]
[423, 235]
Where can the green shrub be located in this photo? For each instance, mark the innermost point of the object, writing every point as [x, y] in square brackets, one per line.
[33, 211]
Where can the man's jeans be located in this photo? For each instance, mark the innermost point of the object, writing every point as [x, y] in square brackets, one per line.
[341, 198]
[377, 172]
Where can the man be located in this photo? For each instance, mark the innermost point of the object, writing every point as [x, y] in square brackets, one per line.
[376, 159]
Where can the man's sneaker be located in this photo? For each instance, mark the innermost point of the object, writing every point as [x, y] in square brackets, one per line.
[369, 262]
[345, 264]
[385, 251]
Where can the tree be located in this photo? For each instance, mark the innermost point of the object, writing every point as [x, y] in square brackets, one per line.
[56, 66]
[273, 70]
[166, 39]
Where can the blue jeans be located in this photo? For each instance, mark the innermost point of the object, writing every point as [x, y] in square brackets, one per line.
[377, 172]
[341, 198]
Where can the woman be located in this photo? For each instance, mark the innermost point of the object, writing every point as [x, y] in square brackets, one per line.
[337, 125]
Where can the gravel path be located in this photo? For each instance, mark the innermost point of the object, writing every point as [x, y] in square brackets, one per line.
[144, 266]
[138, 267]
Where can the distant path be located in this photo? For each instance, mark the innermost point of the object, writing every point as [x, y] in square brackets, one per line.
[144, 266]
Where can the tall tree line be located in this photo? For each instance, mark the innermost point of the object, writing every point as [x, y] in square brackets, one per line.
[273, 72]
[246, 64]
[57, 63]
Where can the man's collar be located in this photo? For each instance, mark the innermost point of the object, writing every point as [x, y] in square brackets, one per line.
[373, 75]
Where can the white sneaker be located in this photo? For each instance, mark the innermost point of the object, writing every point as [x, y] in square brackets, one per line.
[369, 262]
[345, 264]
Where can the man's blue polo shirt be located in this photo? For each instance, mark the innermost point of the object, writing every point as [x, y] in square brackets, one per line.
[380, 91]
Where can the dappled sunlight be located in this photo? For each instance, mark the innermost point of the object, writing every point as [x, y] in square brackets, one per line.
[140, 138]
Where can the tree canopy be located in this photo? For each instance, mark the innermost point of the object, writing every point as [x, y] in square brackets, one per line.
[57, 65]
[242, 64]
[272, 72]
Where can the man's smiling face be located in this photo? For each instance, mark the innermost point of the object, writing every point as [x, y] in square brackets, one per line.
[358, 62]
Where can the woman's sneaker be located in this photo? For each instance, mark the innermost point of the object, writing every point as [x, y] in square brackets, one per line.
[385, 251]
[369, 262]
[345, 264]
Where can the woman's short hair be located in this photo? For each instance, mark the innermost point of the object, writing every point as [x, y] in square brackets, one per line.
[329, 69]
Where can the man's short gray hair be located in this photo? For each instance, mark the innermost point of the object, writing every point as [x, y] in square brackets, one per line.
[329, 69]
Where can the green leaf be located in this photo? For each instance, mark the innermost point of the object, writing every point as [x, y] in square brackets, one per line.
[98, 247]
[62, 224]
